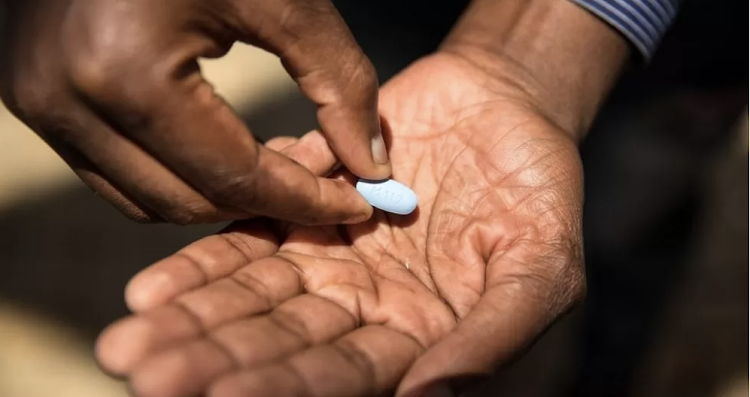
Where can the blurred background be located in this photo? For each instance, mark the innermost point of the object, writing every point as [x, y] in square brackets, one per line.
[666, 239]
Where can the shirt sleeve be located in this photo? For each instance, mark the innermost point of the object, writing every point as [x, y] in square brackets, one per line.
[643, 22]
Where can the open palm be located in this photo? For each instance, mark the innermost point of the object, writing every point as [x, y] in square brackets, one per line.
[397, 304]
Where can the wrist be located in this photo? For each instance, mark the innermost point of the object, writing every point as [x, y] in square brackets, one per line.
[552, 53]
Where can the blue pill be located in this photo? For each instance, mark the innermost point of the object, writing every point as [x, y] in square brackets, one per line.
[388, 195]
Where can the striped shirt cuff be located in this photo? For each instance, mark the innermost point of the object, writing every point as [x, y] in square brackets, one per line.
[643, 22]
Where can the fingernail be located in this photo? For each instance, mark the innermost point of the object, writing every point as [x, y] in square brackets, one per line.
[379, 154]
[439, 390]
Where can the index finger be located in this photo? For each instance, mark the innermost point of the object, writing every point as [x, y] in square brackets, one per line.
[201, 263]
[320, 53]
[368, 361]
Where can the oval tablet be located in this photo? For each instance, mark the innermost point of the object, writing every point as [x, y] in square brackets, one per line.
[388, 195]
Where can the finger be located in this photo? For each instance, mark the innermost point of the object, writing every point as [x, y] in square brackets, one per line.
[320, 53]
[260, 182]
[516, 308]
[366, 362]
[256, 288]
[293, 326]
[490, 335]
[294, 195]
[159, 100]
[312, 152]
[201, 263]
[168, 196]
[280, 143]
[93, 177]
[125, 175]
[272, 185]
[251, 290]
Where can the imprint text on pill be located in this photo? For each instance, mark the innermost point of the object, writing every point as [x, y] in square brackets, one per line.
[388, 195]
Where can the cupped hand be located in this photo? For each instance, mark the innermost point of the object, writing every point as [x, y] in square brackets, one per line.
[114, 87]
[393, 305]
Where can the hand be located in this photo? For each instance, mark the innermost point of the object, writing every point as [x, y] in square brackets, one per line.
[115, 89]
[490, 259]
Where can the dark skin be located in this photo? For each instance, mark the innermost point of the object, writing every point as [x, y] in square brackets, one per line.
[114, 88]
[485, 131]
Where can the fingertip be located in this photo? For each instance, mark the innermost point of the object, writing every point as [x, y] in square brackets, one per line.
[339, 203]
[356, 137]
[379, 173]
[121, 345]
[374, 166]
[371, 163]
[182, 371]
[368, 169]
[135, 300]
[146, 290]
[361, 209]
[379, 151]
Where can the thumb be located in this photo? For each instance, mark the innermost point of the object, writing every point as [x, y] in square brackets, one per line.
[516, 308]
[318, 50]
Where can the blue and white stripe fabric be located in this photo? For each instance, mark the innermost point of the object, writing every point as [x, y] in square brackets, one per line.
[643, 22]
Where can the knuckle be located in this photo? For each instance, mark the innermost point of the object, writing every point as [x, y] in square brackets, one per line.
[124, 89]
[306, 205]
[129, 208]
[108, 71]
[237, 242]
[232, 190]
[95, 49]
[28, 101]
[308, 219]
[303, 15]
[368, 76]
[140, 217]
[30, 88]
[134, 213]
[181, 216]
[94, 65]
[195, 211]
[93, 74]
[353, 82]
[315, 30]
[361, 81]
[105, 77]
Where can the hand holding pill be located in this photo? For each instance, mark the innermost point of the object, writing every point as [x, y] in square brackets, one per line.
[119, 93]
